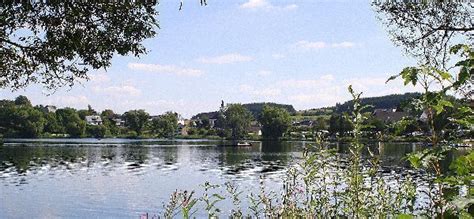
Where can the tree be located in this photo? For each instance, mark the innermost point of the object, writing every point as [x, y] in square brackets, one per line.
[52, 125]
[405, 126]
[22, 101]
[7, 108]
[441, 110]
[96, 131]
[91, 110]
[333, 124]
[256, 108]
[55, 43]
[373, 124]
[427, 30]
[136, 120]
[204, 122]
[165, 125]
[237, 120]
[72, 123]
[321, 124]
[442, 113]
[108, 117]
[83, 113]
[28, 122]
[19, 119]
[275, 122]
[339, 124]
[107, 114]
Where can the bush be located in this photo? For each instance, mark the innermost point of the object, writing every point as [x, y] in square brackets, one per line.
[132, 134]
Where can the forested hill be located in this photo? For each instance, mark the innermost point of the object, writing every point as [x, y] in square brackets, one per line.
[254, 108]
[382, 102]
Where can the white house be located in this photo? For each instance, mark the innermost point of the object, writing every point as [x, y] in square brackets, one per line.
[49, 109]
[119, 122]
[94, 120]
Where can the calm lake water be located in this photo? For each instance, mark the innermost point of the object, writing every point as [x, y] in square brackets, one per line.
[119, 178]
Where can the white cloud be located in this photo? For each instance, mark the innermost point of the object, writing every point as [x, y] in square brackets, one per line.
[118, 91]
[165, 69]
[323, 81]
[278, 56]
[100, 77]
[328, 77]
[67, 100]
[261, 92]
[343, 45]
[325, 90]
[291, 7]
[255, 4]
[310, 45]
[376, 86]
[264, 73]
[266, 4]
[302, 98]
[225, 59]
[74, 100]
[318, 98]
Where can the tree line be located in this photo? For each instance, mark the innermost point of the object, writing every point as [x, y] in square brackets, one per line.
[20, 119]
[235, 121]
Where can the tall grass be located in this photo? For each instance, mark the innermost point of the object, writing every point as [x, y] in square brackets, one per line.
[326, 184]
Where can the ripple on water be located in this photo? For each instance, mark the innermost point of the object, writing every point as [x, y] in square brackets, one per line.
[102, 178]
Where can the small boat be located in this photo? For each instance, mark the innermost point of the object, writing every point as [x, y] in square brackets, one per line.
[244, 144]
[461, 145]
[238, 144]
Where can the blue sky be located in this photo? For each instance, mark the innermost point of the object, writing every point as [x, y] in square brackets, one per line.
[302, 52]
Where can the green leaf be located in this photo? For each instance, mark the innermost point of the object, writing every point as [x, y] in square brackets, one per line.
[404, 216]
[463, 76]
[218, 196]
[392, 78]
[350, 90]
[444, 75]
[465, 215]
[455, 49]
[464, 165]
[415, 160]
[466, 62]
[439, 107]
[462, 202]
[410, 75]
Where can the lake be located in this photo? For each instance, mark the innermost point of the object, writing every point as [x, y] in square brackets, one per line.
[122, 178]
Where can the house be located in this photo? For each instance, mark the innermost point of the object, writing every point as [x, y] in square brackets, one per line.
[424, 116]
[181, 121]
[389, 115]
[119, 122]
[255, 128]
[212, 123]
[93, 120]
[49, 109]
[151, 118]
[304, 123]
[183, 126]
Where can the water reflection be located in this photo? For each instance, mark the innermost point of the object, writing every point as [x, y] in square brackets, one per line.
[123, 178]
[136, 156]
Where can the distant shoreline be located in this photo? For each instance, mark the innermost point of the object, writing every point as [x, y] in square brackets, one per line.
[145, 139]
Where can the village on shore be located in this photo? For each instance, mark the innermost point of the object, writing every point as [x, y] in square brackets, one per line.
[389, 119]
